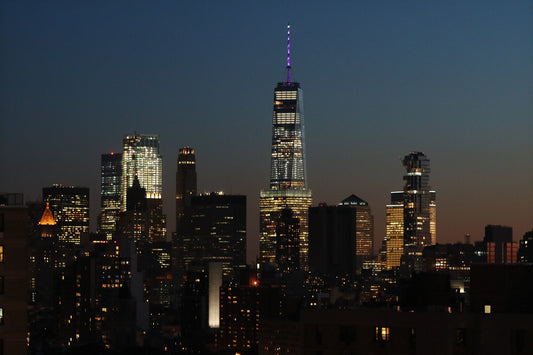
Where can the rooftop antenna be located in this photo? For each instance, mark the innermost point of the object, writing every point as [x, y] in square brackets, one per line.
[288, 54]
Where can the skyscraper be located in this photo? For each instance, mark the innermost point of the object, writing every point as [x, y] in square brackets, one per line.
[288, 188]
[215, 231]
[364, 221]
[418, 198]
[394, 231]
[185, 182]
[70, 207]
[141, 159]
[110, 192]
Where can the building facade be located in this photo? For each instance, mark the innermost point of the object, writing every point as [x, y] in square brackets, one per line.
[215, 232]
[418, 198]
[185, 183]
[14, 276]
[110, 192]
[288, 187]
[364, 221]
[70, 208]
[394, 231]
[141, 158]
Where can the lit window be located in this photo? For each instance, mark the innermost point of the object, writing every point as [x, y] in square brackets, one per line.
[382, 333]
[1, 315]
[1, 253]
[487, 309]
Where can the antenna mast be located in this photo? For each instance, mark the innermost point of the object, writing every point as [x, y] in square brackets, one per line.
[288, 54]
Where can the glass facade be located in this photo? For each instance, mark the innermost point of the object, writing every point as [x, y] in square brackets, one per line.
[271, 203]
[110, 192]
[287, 156]
[417, 199]
[288, 188]
[141, 158]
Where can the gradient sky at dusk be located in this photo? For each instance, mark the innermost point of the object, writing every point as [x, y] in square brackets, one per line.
[453, 79]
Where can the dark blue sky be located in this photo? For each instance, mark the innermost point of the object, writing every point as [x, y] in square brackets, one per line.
[453, 79]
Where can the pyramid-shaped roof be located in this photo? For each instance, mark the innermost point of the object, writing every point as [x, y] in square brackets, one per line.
[48, 218]
[353, 200]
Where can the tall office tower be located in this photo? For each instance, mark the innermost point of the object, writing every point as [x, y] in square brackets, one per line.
[141, 159]
[418, 198]
[364, 221]
[332, 240]
[499, 245]
[394, 231]
[287, 171]
[70, 207]
[185, 182]
[216, 231]
[110, 192]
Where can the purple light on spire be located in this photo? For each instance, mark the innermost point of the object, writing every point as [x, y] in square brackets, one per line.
[288, 54]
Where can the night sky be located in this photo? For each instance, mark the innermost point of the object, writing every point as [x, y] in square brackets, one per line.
[453, 79]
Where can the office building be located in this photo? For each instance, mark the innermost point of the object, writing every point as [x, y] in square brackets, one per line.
[417, 198]
[499, 245]
[216, 231]
[332, 240]
[70, 209]
[288, 188]
[141, 159]
[110, 192]
[394, 231]
[185, 183]
[364, 221]
[288, 242]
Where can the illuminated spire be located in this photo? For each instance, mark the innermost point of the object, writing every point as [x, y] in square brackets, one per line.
[288, 54]
[47, 218]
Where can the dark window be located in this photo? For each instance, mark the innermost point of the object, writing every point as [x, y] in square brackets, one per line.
[1, 346]
[1, 285]
[520, 340]
[460, 337]
[1, 222]
[412, 338]
[346, 334]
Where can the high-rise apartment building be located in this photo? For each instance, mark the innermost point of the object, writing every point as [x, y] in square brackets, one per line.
[70, 207]
[141, 158]
[185, 183]
[288, 188]
[110, 192]
[419, 217]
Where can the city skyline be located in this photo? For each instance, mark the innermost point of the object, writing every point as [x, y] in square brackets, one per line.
[452, 81]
